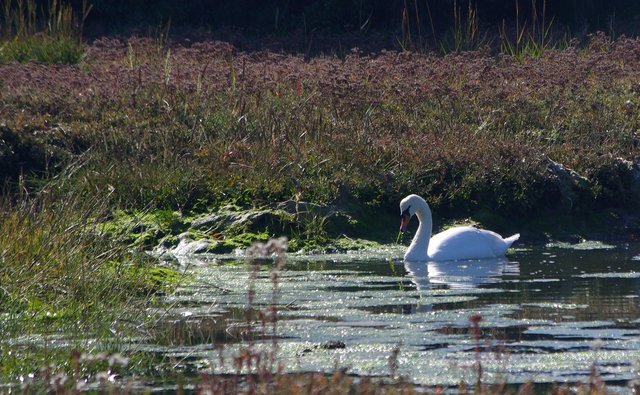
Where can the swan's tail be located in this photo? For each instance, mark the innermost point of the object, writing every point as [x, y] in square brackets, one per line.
[509, 240]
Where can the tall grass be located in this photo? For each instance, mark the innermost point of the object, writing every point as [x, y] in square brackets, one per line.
[531, 38]
[528, 37]
[61, 276]
[466, 34]
[211, 123]
[48, 34]
[54, 256]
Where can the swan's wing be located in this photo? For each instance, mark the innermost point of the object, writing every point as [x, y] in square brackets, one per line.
[466, 242]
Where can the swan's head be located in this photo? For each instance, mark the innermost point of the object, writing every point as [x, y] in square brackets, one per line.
[408, 207]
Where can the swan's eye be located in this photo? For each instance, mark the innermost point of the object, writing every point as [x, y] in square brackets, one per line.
[406, 212]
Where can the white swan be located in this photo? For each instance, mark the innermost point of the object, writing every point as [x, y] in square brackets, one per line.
[461, 242]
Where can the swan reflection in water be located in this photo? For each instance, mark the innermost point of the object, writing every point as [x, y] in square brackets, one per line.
[466, 274]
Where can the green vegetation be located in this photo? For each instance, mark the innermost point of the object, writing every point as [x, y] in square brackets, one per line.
[61, 276]
[110, 150]
[50, 33]
[178, 132]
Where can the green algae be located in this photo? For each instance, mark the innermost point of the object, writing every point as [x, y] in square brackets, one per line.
[144, 229]
[629, 275]
[226, 229]
[561, 306]
[583, 245]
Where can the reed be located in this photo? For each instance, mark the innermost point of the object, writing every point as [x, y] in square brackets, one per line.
[466, 34]
[531, 38]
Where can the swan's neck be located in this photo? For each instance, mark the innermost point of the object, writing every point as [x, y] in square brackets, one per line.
[420, 243]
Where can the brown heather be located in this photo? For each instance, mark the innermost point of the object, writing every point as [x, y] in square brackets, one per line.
[170, 125]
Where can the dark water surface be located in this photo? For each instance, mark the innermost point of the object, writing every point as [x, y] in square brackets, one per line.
[548, 315]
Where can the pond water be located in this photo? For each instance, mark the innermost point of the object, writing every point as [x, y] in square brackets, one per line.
[548, 315]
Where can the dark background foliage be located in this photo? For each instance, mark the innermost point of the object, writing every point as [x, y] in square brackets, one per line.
[262, 17]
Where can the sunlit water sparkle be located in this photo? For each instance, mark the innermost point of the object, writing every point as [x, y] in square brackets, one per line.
[549, 314]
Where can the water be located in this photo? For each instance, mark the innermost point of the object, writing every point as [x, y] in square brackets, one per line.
[548, 315]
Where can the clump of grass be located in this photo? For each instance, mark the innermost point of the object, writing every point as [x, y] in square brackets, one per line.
[531, 40]
[55, 258]
[60, 274]
[49, 34]
[42, 50]
[465, 34]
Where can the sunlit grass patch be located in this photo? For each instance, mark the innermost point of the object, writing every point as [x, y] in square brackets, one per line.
[51, 255]
[45, 33]
[60, 50]
[63, 283]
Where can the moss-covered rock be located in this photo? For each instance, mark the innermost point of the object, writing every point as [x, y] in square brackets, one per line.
[233, 218]
[310, 228]
[146, 229]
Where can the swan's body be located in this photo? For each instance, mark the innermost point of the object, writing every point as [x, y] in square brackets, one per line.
[462, 242]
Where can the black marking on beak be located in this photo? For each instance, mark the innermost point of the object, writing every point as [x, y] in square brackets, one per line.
[404, 219]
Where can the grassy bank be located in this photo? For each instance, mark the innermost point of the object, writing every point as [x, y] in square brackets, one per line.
[65, 285]
[107, 158]
[196, 124]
